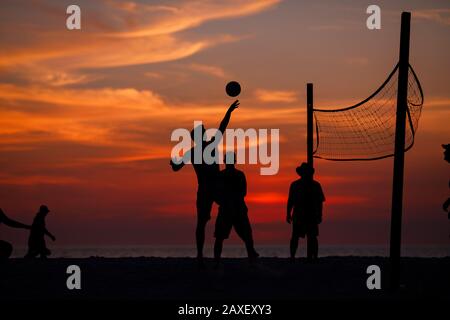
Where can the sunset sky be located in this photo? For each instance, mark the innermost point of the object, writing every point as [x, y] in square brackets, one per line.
[86, 115]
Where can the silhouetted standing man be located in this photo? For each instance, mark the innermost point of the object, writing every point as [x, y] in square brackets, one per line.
[447, 158]
[5, 247]
[232, 189]
[206, 177]
[305, 200]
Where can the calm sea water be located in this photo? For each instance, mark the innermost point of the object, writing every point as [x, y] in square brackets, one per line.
[235, 251]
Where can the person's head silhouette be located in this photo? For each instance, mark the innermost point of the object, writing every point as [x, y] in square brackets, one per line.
[446, 152]
[43, 210]
[305, 171]
[230, 159]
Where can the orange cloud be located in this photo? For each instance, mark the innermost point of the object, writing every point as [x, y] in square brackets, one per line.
[441, 16]
[209, 70]
[276, 96]
[132, 33]
[128, 98]
[190, 14]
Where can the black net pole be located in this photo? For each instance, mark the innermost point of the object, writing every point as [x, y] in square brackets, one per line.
[309, 123]
[399, 153]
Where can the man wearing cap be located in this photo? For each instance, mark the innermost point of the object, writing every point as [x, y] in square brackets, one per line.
[5, 247]
[447, 158]
[305, 203]
[233, 212]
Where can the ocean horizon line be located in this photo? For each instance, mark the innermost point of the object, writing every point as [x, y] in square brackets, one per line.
[232, 251]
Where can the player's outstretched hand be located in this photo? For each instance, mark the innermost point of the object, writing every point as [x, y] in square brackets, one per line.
[234, 105]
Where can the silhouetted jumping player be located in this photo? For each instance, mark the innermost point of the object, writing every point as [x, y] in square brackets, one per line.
[446, 204]
[36, 241]
[5, 247]
[305, 200]
[206, 177]
[232, 189]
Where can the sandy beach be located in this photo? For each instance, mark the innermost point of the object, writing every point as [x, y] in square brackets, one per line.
[169, 279]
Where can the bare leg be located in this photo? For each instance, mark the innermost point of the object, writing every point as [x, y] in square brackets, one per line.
[251, 252]
[245, 233]
[200, 237]
[312, 247]
[44, 253]
[31, 253]
[315, 248]
[204, 205]
[293, 247]
[218, 245]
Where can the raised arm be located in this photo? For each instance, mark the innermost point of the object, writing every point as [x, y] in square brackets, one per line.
[12, 223]
[226, 119]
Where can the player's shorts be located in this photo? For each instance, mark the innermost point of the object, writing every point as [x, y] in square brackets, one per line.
[302, 226]
[227, 220]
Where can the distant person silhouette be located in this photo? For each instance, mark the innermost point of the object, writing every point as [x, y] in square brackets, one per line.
[36, 241]
[5, 247]
[446, 204]
[206, 177]
[232, 189]
[305, 201]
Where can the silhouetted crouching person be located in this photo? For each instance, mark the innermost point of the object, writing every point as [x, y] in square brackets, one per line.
[305, 200]
[36, 241]
[206, 177]
[232, 208]
[5, 247]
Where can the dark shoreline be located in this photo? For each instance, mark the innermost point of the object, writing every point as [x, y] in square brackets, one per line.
[180, 279]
